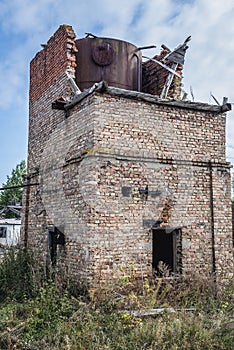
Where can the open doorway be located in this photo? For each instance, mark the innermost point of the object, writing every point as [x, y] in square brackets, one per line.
[167, 248]
[55, 238]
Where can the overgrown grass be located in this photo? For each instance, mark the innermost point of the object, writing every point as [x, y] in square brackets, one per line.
[17, 276]
[37, 313]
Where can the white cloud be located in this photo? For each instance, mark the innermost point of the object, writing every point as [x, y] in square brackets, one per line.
[13, 73]
[209, 22]
[25, 16]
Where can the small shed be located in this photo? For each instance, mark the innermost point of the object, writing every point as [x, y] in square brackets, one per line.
[9, 233]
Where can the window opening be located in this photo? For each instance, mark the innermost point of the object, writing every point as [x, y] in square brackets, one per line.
[3, 232]
[167, 248]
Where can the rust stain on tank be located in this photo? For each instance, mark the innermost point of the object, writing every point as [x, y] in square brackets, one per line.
[103, 54]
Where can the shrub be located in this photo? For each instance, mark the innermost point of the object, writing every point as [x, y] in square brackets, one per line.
[44, 314]
[18, 279]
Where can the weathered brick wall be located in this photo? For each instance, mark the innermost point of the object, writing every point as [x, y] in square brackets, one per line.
[48, 82]
[222, 220]
[147, 133]
[96, 160]
[146, 129]
[233, 223]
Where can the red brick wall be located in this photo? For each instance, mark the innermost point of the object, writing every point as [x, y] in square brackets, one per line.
[154, 77]
[56, 57]
[48, 82]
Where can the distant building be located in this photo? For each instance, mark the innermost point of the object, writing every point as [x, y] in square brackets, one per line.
[122, 168]
[13, 211]
[9, 233]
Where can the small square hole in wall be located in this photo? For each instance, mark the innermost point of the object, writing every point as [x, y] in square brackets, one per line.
[126, 191]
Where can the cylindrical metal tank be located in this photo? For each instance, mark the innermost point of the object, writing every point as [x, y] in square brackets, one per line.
[115, 61]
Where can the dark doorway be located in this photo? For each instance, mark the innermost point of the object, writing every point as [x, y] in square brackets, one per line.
[55, 238]
[167, 248]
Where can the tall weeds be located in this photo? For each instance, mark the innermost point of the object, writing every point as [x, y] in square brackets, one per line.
[17, 275]
[38, 313]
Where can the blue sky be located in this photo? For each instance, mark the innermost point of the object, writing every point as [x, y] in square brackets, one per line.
[25, 24]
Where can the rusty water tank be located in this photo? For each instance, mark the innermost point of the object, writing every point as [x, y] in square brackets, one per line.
[115, 61]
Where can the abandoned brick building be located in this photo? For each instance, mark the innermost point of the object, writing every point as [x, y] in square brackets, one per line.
[121, 168]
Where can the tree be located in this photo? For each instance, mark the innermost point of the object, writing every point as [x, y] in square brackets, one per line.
[15, 179]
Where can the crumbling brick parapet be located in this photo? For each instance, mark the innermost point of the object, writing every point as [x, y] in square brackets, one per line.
[56, 57]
